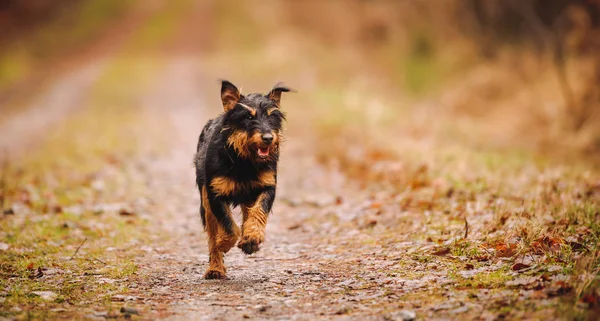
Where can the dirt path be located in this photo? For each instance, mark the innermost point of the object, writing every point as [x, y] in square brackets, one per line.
[284, 279]
[65, 95]
[429, 249]
[333, 251]
[322, 258]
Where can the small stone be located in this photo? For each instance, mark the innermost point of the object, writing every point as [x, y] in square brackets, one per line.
[342, 310]
[402, 315]
[126, 211]
[554, 268]
[120, 297]
[46, 295]
[58, 310]
[261, 308]
[459, 310]
[4, 246]
[128, 310]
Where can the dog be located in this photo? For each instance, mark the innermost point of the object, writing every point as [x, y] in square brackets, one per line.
[236, 164]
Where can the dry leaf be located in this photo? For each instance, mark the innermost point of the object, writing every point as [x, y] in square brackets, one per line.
[519, 266]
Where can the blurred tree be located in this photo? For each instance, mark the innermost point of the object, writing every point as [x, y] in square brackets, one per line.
[21, 16]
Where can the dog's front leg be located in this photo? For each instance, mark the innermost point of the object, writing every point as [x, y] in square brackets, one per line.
[220, 240]
[255, 221]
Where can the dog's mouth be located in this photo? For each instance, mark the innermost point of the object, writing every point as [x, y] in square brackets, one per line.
[263, 152]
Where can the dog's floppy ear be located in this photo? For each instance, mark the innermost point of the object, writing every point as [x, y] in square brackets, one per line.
[275, 93]
[230, 95]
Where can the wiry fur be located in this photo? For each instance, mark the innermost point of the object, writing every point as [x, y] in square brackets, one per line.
[236, 164]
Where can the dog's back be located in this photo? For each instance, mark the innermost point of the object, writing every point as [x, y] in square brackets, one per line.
[201, 150]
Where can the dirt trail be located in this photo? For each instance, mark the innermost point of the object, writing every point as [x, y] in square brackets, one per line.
[284, 279]
[333, 250]
[329, 253]
[325, 257]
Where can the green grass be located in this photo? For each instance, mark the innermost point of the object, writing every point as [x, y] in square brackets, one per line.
[66, 31]
[52, 190]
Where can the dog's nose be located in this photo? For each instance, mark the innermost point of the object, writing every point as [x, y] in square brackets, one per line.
[267, 138]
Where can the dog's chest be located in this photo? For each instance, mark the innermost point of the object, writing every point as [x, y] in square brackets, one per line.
[242, 187]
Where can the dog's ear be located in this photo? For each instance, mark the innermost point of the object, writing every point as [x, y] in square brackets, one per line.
[230, 95]
[275, 93]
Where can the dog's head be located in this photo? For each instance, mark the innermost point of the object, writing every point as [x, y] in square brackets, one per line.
[253, 121]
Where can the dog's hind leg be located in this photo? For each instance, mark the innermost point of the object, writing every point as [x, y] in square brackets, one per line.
[219, 241]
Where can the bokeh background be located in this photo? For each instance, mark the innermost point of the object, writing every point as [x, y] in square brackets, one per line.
[492, 74]
[435, 150]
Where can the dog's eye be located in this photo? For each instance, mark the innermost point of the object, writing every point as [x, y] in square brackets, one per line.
[250, 117]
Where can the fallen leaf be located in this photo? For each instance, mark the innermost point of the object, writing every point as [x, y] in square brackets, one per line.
[30, 266]
[559, 288]
[375, 205]
[57, 209]
[294, 226]
[506, 250]
[576, 245]
[37, 274]
[519, 266]
[482, 258]
[592, 299]
[469, 266]
[371, 222]
[442, 251]
[262, 308]
[342, 310]
[126, 212]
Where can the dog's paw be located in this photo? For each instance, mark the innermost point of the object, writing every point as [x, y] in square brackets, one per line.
[215, 274]
[250, 244]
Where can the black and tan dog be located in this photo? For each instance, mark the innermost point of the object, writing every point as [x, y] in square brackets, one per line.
[236, 164]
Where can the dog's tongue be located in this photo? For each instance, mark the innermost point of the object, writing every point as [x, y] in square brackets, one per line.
[263, 152]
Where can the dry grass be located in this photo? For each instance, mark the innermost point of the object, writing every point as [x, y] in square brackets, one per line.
[411, 113]
[73, 220]
[486, 142]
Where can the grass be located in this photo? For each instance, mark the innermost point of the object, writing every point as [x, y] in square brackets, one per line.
[80, 24]
[396, 139]
[411, 138]
[58, 192]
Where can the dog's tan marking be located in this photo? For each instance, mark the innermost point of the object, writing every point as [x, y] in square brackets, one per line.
[223, 186]
[275, 137]
[255, 139]
[266, 178]
[239, 141]
[253, 227]
[250, 109]
[271, 110]
[219, 241]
